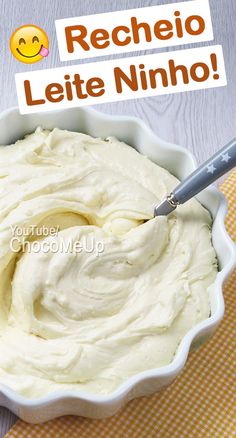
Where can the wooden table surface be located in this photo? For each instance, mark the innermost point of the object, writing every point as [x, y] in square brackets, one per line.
[202, 121]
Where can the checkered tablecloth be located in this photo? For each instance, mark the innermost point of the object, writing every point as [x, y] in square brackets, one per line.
[200, 403]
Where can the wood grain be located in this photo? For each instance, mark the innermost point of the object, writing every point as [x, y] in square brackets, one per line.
[7, 419]
[202, 120]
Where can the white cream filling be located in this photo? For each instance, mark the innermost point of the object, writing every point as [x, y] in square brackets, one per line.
[88, 320]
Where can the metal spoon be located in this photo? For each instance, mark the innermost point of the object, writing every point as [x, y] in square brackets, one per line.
[223, 161]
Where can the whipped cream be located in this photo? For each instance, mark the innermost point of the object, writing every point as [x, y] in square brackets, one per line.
[89, 319]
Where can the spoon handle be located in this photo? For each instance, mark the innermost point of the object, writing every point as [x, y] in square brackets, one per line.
[223, 161]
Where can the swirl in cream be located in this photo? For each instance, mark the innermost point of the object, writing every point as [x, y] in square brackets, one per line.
[83, 320]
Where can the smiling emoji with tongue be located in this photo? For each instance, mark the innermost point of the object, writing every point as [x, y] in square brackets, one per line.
[29, 44]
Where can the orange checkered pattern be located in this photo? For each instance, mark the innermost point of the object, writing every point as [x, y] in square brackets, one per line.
[200, 403]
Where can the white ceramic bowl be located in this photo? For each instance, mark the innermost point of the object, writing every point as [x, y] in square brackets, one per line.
[179, 162]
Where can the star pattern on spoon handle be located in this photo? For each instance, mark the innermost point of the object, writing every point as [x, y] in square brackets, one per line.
[225, 157]
[211, 168]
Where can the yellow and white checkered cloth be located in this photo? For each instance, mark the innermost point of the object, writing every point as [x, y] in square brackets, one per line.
[200, 403]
